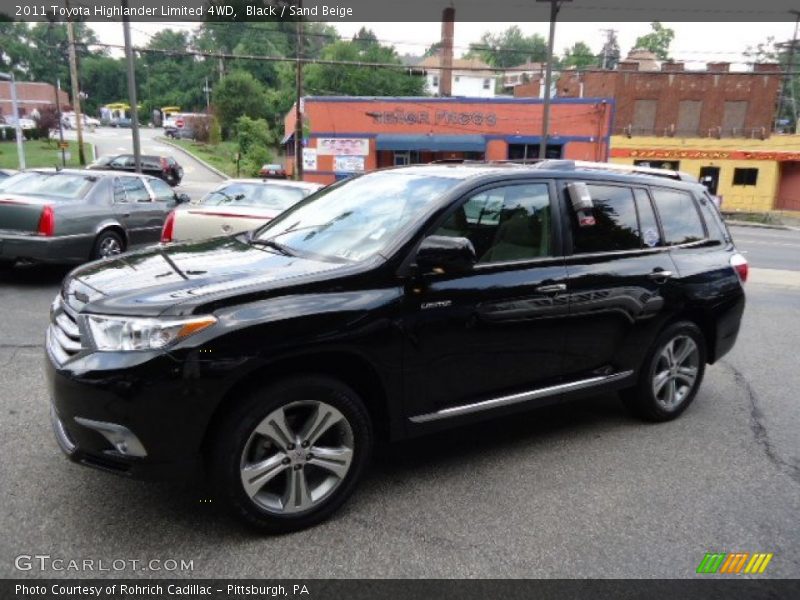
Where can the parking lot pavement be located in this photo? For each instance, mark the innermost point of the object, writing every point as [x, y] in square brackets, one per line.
[577, 490]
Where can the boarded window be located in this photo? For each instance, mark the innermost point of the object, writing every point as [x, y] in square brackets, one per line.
[733, 118]
[644, 116]
[688, 117]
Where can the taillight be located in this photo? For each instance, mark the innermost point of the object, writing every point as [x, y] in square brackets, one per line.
[739, 264]
[47, 222]
[166, 231]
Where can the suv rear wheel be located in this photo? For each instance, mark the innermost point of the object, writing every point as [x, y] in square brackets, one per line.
[291, 453]
[671, 374]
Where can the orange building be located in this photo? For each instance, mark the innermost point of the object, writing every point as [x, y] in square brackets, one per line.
[346, 135]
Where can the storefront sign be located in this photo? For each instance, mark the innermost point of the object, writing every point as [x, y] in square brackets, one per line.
[348, 164]
[309, 159]
[645, 153]
[342, 146]
[399, 116]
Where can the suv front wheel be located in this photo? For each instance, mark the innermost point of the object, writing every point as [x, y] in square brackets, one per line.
[291, 453]
[670, 375]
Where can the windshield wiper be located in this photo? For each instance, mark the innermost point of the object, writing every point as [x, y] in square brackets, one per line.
[273, 244]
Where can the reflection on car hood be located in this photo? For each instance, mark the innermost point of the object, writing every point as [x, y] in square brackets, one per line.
[176, 279]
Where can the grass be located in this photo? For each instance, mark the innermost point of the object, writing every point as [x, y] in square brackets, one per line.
[222, 155]
[38, 153]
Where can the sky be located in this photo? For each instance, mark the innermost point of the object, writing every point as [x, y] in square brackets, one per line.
[694, 43]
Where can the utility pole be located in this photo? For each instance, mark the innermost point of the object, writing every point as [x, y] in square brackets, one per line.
[76, 91]
[137, 150]
[298, 111]
[17, 126]
[555, 5]
[60, 124]
[609, 36]
[207, 91]
[789, 76]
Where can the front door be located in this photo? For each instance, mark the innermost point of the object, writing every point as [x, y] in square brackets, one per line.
[620, 273]
[495, 330]
[135, 209]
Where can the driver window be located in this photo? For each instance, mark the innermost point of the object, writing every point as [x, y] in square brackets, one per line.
[504, 224]
[161, 190]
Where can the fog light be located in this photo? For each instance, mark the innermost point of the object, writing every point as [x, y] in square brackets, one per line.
[119, 436]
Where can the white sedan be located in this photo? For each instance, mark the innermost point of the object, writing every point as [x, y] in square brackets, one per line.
[235, 206]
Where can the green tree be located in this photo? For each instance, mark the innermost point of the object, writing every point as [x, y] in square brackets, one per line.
[237, 95]
[579, 56]
[509, 48]
[361, 81]
[657, 41]
[610, 54]
[254, 140]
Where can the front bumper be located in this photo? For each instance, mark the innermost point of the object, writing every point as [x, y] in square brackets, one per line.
[73, 248]
[142, 415]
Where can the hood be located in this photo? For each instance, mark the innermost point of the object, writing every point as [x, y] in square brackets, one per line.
[178, 278]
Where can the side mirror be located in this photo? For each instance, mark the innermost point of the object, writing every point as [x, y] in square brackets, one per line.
[182, 199]
[444, 254]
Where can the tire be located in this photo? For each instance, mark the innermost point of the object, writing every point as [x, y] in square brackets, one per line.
[107, 243]
[665, 389]
[267, 429]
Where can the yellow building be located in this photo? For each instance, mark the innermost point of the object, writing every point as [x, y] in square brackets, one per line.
[750, 175]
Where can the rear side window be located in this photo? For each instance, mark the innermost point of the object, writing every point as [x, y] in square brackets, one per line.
[616, 226]
[135, 190]
[680, 219]
[647, 219]
[716, 227]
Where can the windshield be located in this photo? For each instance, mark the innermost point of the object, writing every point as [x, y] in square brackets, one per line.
[277, 197]
[66, 186]
[356, 219]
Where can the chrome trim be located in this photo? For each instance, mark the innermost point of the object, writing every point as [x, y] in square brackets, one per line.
[62, 437]
[122, 438]
[522, 397]
[69, 345]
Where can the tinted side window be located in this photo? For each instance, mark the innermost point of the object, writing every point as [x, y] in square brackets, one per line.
[679, 217]
[616, 226]
[716, 227]
[119, 191]
[161, 190]
[505, 223]
[135, 190]
[648, 225]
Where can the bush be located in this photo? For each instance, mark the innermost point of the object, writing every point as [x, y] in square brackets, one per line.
[253, 139]
[47, 121]
[200, 126]
[214, 132]
[238, 94]
[7, 133]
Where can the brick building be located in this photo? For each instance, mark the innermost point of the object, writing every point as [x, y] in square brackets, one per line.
[672, 101]
[30, 95]
[352, 134]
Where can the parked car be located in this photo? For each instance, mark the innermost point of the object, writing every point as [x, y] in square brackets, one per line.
[386, 306]
[71, 216]
[272, 171]
[165, 167]
[70, 121]
[234, 206]
[182, 133]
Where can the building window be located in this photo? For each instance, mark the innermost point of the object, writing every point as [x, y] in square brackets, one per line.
[487, 83]
[745, 176]
[435, 82]
[671, 165]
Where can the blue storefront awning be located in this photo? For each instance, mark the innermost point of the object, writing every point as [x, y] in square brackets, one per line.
[431, 143]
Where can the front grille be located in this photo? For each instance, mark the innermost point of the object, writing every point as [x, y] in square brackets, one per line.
[64, 334]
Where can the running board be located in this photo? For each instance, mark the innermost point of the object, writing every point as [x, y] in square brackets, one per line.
[465, 409]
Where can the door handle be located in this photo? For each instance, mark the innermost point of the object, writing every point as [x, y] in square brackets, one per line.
[660, 276]
[552, 289]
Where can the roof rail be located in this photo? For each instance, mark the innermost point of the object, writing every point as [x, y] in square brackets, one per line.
[616, 168]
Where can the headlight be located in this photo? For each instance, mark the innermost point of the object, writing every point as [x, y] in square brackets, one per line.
[131, 333]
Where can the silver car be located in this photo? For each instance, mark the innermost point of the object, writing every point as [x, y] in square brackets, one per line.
[71, 216]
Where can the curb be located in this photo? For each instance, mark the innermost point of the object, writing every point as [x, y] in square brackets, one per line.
[163, 139]
[758, 225]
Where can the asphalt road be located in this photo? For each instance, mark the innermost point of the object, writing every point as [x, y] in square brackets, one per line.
[581, 490]
[197, 179]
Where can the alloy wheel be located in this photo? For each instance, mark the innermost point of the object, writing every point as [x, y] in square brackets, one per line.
[109, 247]
[296, 457]
[675, 372]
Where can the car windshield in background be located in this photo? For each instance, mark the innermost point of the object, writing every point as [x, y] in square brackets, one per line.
[356, 219]
[66, 186]
[277, 197]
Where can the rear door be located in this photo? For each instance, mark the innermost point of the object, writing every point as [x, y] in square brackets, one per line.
[619, 272]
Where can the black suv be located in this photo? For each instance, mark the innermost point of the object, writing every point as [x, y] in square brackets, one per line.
[385, 306]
